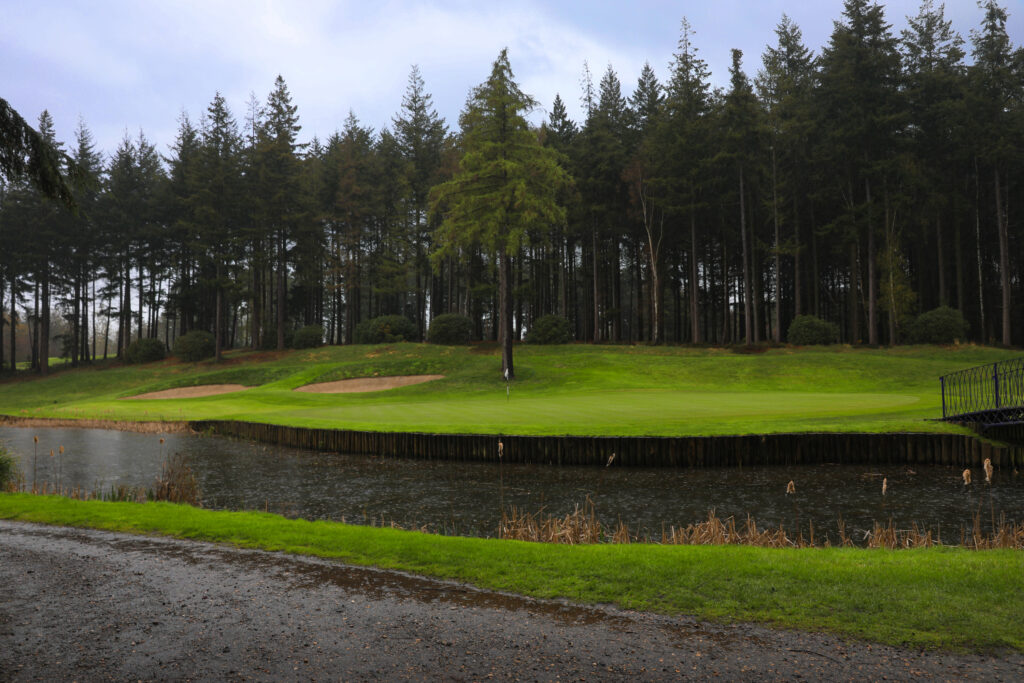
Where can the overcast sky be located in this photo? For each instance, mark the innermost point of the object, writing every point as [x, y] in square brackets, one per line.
[137, 64]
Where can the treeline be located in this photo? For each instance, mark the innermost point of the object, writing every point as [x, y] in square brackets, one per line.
[864, 185]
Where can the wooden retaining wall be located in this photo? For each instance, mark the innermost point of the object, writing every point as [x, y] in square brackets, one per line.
[712, 451]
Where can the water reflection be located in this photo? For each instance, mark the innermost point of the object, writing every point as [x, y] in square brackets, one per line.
[466, 498]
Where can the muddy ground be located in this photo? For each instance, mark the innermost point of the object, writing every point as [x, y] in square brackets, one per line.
[89, 605]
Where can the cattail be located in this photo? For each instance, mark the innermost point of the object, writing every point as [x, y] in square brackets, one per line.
[967, 477]
[501, 449]
[885, 484]
[62, 450]
[988, 470]
[790, 487]
[51, 452]
[35, 439]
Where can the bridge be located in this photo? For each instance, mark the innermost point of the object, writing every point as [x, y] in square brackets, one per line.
[988, 395]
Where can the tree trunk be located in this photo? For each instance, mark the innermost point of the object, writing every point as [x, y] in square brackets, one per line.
[44, 326]
[1004, 258]
[34, 329]
[872, 294]
[2, 323]
[747, 303]
[777, 329]
[943, 298]
[218, 317]
[798, 299]
[593, 265]
[281, 297]
[505, 313]
[977, 242]
[854, 324]
[694, 288]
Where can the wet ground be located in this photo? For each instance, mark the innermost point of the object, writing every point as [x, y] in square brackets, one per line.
[91, 605]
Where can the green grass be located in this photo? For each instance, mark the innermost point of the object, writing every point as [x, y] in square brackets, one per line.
[935, 598]
[574, 389]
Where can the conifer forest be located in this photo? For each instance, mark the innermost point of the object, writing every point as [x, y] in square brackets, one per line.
[865, 181]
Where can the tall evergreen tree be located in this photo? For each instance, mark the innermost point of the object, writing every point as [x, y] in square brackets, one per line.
[683, 139]
[995, 81]
[507, 184]
[277, 169]
[862, 112]
[420, 132]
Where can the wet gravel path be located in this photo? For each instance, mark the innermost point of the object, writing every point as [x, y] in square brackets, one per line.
[90, 605]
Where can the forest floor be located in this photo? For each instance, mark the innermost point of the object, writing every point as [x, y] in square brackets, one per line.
[574, 389]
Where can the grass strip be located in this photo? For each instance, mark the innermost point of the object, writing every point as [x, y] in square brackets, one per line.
[935, 598]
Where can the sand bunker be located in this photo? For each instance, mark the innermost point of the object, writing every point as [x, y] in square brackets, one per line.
[193, 392]
[361, 384]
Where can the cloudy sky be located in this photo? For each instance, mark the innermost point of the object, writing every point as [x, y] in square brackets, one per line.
[131, 65]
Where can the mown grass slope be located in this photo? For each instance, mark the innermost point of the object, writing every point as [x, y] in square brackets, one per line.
[573, 389]
[938, 597]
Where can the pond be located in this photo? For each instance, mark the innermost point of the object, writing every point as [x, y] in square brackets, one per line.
[466, 498]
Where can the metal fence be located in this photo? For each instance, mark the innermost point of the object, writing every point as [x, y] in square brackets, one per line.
[991, 394]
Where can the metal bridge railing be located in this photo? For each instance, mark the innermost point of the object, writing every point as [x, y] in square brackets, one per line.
[997, 387]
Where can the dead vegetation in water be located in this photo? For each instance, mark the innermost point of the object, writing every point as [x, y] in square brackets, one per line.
[176, 483]
[581, 526]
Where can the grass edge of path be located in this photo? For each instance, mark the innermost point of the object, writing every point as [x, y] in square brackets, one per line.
[945, 598]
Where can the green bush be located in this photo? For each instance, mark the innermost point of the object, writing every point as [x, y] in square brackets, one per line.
[145, 351]
[308, 337]
[810, 329]
[942, 325]
[385, 330]
[549, 329]
[269, 341]
[194, 346]
[452, 329]
[8, 469]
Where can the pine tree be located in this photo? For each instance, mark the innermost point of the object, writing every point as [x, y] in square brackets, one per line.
[506, 185]
[861, 109]
[277, 168]
[25, 152]
[682, 136]
[995, 81]
[420, 133]
[217, 203]
[785, 85]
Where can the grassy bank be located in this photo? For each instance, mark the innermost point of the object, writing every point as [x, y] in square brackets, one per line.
[575, 389]
[946, 598]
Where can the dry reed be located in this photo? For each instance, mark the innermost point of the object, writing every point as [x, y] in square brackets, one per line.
[119, 425]
[582, 526]
[176, 483]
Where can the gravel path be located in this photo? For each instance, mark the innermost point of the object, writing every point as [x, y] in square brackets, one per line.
[90, 605]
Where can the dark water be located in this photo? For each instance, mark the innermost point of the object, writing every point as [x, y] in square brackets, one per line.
[466, 498]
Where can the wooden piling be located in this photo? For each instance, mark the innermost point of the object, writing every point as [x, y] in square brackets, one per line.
[956, 450]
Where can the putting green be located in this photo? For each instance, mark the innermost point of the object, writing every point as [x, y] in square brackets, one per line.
[570, 390]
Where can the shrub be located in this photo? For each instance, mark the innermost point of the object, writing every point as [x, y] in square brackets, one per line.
[810, 329]
[145, 351]
[942, 325]
[549, 329]
[450, 328]
[385, 330]
[269, 341]
[194, 346]
[308, 337]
